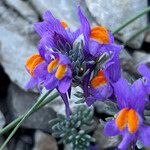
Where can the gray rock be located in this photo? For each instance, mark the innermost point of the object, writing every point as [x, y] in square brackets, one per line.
[15, 20]
[141, 57]
[67, 147]
[2, 141]
[113, 13]
[2, 120]
[44, 141]
[16, 41]
[129, 66]
[24, 143]
[107, 107]
[147, 37]
[104, 142]
[14, 50]
[20, 102]
[24, 9]
[65, 10]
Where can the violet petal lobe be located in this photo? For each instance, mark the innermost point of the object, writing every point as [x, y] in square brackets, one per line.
[66, 102]
[144, 70]
[144, 135]
[31, 83]
[126, 140]
[110, 128]
[122, 92]
[85, 26]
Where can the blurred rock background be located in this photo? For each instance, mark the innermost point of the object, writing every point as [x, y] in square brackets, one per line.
[18, 40]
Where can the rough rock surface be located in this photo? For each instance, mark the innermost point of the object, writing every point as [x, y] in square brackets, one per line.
[24, 143]
[2, 141]
[141, 57]
[147, 37]
[65, 10]
[17, 39]
[20, 102]
[44, 141]
[2, 120]
[113, 13]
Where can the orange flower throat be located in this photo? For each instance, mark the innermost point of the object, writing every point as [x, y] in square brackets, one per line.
[100, 33]
[127, 117]
[99, 79]
[64, 24]
[32, 62]
[61, 69]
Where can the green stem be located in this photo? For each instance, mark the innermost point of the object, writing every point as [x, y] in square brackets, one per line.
[14, 123]
[21, 119]
[131, 20]
[136, 34]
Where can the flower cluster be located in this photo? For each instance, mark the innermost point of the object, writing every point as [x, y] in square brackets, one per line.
[68, 58]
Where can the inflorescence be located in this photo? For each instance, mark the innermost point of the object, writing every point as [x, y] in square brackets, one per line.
[68, 58]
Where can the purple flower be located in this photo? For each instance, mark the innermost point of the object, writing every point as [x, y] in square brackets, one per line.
[52, 71]
[128, 121]
[55, 34]
[54, 68]
[101, 86]
[98, 39]
[145, 72]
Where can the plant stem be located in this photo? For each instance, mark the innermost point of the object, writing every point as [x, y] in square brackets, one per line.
[131, 20]
[14, 123]
[136, 34]
[21, 119]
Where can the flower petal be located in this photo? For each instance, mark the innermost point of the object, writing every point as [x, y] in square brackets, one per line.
[147, 85]
[111, 128]
[114, 48]
[144, 135]
[111, 37]
[144, 70]
[41, 28]
[127, 139]
[139, 96]
[55, 24]
[47, 41]
[65, 99]
[113, 68]
[51, 82]
[31, 83]
[64, 85]
[41, 70]
[95, 48]
[85, 26]
[122, 92]
[90, 100]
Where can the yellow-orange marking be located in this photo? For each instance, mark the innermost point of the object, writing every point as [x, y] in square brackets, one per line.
[100, 34]
[52, 65]
[61, 71]
[64, 24]
[98, 80]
